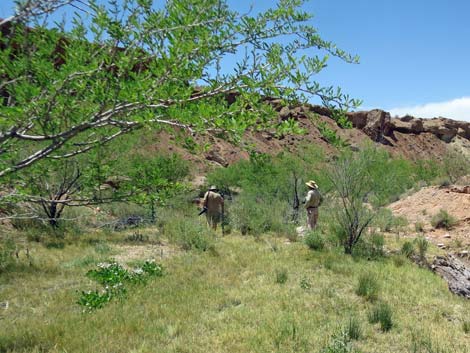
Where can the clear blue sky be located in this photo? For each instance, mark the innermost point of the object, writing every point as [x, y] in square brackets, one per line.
[413, 52]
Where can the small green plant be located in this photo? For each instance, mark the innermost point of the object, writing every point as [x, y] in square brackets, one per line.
[370, 247]
[113, 278]
[305, 283]
[466, 327]
[102, 248]
[94, 300]
[281, 276]
[399, 260]
[422, 244]
[354, 329]
[190, 234]
[421, 342]
[330, 135]
[341, 119]
[368, 286]
[136, 237]
[407, 249]
[381, 313]
[314, 240]
[339, 343]
[443, 220]
[419, 227]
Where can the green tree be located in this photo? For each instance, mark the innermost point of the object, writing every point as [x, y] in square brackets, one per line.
[118, 67]
[154, 180]
[353, 183]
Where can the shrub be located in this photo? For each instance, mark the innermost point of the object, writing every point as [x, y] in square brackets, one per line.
[354, 329]
[419, 227]
[281, 276]
[399, 260]
[466, 326]
[370, 247]
[314, 240]
[381, 313]
[255, 215]
[368, 286]
[421, 342]
[387, 222]
[188, 233]
[339, 343]
[443, 220]
[422, 245]
[407, 249]
[351, 181]
[305, 284]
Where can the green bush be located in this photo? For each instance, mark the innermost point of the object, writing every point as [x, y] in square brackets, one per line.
[399, 260]
[354, 329]
[339, 343]
[255, 215]
[407, 249]
[368, 286]
[370, 247]
[421, 342]
[314, 240]
[381, 313]
[466, 326]
[419, 227]
[305, 283]
[443, 220]
[387, 222]
[115, 278]
[281, 276]
[189, 233]
[422, 244]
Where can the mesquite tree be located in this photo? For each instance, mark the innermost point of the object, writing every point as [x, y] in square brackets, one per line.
[192, 65]
[352, 183]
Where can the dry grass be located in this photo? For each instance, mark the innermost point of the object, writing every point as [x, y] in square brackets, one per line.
[228, 300]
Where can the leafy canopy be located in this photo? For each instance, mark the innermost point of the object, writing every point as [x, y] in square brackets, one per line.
[132, 63]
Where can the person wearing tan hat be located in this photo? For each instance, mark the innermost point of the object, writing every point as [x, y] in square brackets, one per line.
[312, 201]
[214, 204]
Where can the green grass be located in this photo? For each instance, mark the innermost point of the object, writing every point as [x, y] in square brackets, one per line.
[228, 301]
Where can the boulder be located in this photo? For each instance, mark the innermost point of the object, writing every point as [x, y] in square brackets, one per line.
[455, 273]
[216, 156]
[375, 123]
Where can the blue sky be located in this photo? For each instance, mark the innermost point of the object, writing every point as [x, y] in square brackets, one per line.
[414, 53]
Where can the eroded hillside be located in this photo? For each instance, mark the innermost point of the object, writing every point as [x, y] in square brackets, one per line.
[412, 138]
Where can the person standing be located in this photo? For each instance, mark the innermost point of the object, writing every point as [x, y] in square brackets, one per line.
[214, 204]
[312, 201]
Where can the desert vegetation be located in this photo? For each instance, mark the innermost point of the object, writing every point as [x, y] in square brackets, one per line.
[101, 245]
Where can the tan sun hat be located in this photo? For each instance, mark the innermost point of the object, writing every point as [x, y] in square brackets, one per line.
[311, 184]
[213, 187]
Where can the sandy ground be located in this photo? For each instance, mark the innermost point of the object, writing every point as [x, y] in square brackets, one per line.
[421, 206]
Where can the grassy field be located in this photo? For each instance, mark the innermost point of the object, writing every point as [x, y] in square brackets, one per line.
[242, 295]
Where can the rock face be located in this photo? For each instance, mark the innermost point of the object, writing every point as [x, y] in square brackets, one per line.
[455, 272]
[375, 123]
[461, 190]
[378, 123]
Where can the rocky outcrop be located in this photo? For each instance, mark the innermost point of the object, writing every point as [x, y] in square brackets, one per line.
[444, 129]
[456, 274]
[377, 124]
[461, 190]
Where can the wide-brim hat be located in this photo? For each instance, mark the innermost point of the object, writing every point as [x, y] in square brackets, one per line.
[213, 187]
[311, 184]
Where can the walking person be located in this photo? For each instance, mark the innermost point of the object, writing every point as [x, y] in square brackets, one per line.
[213, 203]
[312, 201]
